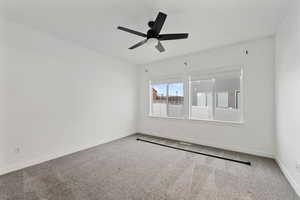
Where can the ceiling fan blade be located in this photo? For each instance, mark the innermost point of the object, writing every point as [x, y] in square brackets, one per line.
[160, 47]
[132, 31]
[138, 44]
[175, 36]
[159, 22]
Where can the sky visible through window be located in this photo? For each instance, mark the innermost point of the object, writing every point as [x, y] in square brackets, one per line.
[175, 89]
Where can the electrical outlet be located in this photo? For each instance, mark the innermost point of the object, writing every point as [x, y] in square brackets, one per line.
[298, 166]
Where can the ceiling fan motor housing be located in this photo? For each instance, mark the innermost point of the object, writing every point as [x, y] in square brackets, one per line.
[151, 34]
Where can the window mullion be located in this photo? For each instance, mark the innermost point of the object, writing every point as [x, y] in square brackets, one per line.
[214, 99]
[167, 100]
[189, 99]
[150, 99]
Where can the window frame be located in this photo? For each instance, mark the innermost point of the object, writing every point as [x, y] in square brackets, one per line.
[201, 78]
[186, 79]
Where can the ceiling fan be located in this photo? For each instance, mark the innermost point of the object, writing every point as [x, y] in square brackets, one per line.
[153, 35]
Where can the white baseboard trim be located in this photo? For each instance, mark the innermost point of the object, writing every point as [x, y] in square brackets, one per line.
[225, 147]
[288, 176]
[44, 158]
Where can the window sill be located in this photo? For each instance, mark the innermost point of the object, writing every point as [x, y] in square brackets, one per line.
[200, 120]
[218, 121]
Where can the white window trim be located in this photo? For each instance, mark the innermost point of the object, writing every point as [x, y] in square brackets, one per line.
[186, 79]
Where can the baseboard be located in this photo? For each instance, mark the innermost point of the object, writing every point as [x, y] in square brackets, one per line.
[225, 147]
[44, 158]
[288, 177]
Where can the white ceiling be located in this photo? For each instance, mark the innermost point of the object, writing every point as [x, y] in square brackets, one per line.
[92, 23]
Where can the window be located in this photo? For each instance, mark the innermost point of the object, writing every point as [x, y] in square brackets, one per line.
[227, 89]
[175, 100]
[215, 96]
[222, 100]
[201, 99]
[167, 100]
[159, 100]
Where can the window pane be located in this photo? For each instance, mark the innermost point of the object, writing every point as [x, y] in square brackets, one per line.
[175, 100]
[159, 100]
[201, 99]
[227, 98]
[237, 99]
[222, 99]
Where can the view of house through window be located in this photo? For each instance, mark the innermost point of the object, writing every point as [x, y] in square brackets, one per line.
[227, 88]
[222, 100]
[215, 97]
[201, 99]
[175, 100]
[159, 100]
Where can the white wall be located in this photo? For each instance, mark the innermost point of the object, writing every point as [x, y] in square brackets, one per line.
[287, 93]
[256, 135]
[57, 98]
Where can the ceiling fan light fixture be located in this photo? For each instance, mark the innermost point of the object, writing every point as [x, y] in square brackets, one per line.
[152, 41]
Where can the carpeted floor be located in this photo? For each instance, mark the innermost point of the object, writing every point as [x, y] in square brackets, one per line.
[127, 169]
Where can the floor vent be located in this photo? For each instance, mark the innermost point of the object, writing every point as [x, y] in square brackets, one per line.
[195, 152]
[185, 144]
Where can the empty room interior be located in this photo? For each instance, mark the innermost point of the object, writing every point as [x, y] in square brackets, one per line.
[149, 100]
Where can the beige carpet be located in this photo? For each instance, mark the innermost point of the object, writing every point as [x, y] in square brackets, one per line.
[127, 169]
